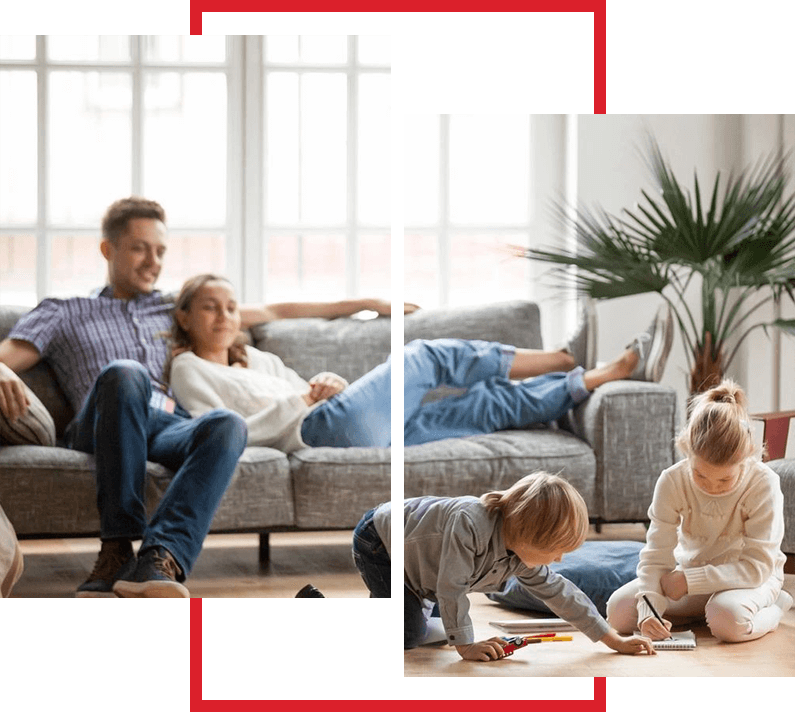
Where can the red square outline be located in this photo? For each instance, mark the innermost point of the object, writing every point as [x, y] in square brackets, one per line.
[197, 704]
[597, 7]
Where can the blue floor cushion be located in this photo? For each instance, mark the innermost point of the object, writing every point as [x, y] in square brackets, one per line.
[598, 568]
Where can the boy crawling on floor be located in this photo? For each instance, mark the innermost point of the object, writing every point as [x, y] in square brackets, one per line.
[454, 545]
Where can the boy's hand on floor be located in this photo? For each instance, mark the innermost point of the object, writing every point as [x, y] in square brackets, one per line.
[483, 651]
[630, 645]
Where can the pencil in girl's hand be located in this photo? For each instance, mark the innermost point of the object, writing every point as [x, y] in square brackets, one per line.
[656, 615]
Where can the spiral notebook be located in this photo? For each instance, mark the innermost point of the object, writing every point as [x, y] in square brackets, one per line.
[684, 640]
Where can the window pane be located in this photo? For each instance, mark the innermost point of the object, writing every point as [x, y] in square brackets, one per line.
[189, 254]
[374, 49]
[323, 147]
[184, 48]
[89, 48]
[282, 148]
[306, 148]
[17, 46]
[305, 268]
[489, 169]
[306, 49]
[421, 169]
[481, 270]
[18, 270]
[421, 269]
[90, 144]
[18, 191]
[77, 266]
[375, 262]
[374, 150]
[185, 146]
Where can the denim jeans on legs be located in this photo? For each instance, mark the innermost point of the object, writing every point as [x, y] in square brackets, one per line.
[371, 558]
[492, 402]
[360, 416]
[123, 431]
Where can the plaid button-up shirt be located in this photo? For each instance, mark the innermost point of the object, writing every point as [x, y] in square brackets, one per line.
[79, 336]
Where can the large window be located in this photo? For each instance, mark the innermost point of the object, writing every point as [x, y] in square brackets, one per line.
[476, 184]
[269, 154]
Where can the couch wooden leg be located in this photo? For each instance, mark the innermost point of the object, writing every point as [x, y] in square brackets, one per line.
[598, 526]
[264, 548]
[789, 566]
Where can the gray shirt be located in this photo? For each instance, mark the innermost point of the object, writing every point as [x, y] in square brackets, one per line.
[453, 545]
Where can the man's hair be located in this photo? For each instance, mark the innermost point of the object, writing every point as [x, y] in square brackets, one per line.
[117, 216]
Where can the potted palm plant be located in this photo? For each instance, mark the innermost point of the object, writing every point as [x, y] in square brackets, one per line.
[739, 243]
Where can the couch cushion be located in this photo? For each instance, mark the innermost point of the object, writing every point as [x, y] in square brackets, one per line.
[50, 490]
[348, 347]
[479, 464]
[334, 487]
[517, 323]
[259, 496]
[786, 472]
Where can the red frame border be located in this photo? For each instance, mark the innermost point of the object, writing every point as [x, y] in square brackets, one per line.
[597, 7]
[197, 704]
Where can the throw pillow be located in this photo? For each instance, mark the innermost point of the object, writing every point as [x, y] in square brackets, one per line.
[36, 427]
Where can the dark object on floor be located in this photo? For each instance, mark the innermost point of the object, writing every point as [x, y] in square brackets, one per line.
[309, 591]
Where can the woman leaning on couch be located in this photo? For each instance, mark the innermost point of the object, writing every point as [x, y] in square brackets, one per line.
[213, 369]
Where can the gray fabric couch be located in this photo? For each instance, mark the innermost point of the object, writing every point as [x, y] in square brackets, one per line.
[612, 447]
[785, 469]
[49, 491]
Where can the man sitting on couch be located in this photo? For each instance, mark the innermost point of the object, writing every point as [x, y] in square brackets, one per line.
[108, 352]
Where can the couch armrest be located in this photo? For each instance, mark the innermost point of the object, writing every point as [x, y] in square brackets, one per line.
[631, 426]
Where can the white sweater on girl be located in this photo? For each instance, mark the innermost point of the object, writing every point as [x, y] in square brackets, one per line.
[720, 542]
[267, 394]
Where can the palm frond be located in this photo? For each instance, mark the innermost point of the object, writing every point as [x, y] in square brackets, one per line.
[737, 232]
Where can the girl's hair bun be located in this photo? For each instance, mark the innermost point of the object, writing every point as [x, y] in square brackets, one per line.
[727, 392]
[718, 430]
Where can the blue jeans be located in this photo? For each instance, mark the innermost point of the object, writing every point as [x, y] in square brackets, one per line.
[360, 416]
[371, 558]
[415, 625]
[119, 427]
[492, 402]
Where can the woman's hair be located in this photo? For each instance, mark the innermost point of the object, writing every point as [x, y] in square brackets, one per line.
[543, 510]
[180, 340]
[718, 429]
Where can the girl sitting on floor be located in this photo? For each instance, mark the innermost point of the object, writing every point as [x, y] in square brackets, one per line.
[717, 522]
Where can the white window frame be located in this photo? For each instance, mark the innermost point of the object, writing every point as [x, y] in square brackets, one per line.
[246, 229]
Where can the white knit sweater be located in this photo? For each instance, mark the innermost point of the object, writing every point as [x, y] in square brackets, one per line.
[720, 542]
[267, 394]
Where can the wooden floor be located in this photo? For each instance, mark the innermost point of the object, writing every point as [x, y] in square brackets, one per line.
[227, 567]
[769, 656]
